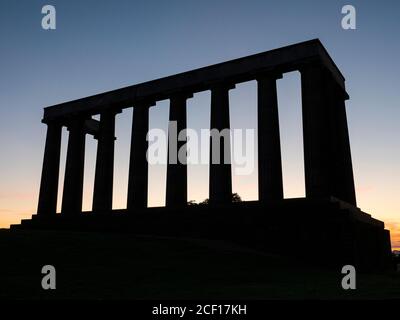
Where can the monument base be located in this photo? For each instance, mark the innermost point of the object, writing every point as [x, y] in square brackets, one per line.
[326, 232]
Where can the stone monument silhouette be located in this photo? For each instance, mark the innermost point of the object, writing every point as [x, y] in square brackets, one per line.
[325, 226]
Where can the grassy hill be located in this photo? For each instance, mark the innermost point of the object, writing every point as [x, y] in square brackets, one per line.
[123, 266]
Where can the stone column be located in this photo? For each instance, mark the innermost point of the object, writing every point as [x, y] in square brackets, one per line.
[342, 173]
[270, 185]
[176, 191]
[138, 166]
[316, 132]
[47, 205]
[220, 184]
[103, 182]
[74, 168]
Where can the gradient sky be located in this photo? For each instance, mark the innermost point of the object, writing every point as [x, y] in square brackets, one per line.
[103, 45]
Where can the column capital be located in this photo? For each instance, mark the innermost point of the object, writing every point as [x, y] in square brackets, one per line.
[336, 89]
[96, 127]
[266, 75]
[184, 95]
[96, 137]
[110, 111]
[76, 121]
[222, 84]
[321, 73]
[144, 104]
[304, 66]
[56, 121]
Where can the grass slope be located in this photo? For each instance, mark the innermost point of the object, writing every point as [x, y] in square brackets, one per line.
[123, 266]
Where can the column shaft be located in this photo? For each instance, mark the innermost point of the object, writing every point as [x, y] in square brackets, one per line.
[176, 191]
[270, 186]
[103, 182]
[138, 165]
[47, 204]
[342, 173]
[220, 184]
[74, 169]
[316, 132]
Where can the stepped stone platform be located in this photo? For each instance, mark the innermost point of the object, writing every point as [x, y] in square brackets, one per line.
[326, 232]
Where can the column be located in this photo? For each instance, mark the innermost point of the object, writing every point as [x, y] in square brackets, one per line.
[176, 191]
[342, 173]
[220, 184]
[103, 182]
[74, 168]
[316, 132]
[270, 186]
[138, 166]
[50, 171]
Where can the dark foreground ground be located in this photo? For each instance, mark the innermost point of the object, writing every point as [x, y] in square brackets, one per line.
[123, 266]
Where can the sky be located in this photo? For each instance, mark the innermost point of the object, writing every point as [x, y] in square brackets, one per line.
[103, 45]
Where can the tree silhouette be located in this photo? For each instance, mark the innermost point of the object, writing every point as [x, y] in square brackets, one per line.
[235, 198]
